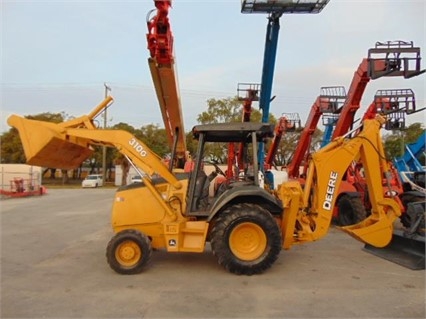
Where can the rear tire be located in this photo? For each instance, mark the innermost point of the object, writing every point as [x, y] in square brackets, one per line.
[128, 252]
[407, 198]
[246, 239]
[351, 210]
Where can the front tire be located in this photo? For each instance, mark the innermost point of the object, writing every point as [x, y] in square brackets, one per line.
[128, 252]
[246, 239]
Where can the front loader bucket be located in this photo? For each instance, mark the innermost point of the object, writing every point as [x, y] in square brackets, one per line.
[45, 144]
[407, 251]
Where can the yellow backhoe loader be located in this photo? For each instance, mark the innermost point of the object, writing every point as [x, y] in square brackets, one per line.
[246, 225]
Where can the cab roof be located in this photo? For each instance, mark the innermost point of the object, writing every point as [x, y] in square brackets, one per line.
[233, 132]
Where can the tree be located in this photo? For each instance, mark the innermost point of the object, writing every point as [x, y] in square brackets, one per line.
[289, 142]
[228, 110]
[395, 142]
[11, 148]
[191, 143]
[155, 138]
[413, 132]
[285, 150]
[221, 111]
[50, 117]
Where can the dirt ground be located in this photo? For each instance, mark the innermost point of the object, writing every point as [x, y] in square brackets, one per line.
[53, 265]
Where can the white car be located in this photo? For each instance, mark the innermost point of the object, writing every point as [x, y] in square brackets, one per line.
[136, 179]
[93, 180]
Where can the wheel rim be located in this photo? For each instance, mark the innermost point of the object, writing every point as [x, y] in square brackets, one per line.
[247, 241]
[128, 253]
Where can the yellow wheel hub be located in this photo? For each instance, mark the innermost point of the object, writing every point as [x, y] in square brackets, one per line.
[128, 253]
[247, 241]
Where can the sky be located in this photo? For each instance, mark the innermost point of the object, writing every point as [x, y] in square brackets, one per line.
[56, 56]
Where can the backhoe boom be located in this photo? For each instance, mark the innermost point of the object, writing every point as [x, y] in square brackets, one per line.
[310, 211]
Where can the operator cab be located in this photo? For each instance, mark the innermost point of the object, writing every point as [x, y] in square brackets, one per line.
[213, 137]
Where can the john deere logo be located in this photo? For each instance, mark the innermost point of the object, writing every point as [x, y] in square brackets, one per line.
[331, 186]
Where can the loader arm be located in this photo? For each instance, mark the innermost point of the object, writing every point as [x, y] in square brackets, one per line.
[53, 145]
[66, 145]
[308, 212]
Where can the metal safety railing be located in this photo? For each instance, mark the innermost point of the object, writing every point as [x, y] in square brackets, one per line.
[394, 58]
[332, 98]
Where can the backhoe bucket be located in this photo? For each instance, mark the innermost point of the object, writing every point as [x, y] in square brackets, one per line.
[45, 144]
[372, 230]
[402, 250]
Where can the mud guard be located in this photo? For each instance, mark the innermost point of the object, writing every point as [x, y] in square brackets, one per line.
[248, 193]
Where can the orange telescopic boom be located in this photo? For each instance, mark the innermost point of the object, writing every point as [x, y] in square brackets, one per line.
[162, 66]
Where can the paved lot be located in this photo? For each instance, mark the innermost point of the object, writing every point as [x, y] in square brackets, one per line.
[53, 265]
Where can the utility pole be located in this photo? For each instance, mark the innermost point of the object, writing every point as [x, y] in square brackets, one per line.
[107, 88]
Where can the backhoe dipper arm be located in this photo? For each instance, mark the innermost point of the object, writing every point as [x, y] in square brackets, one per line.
[308, 213]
